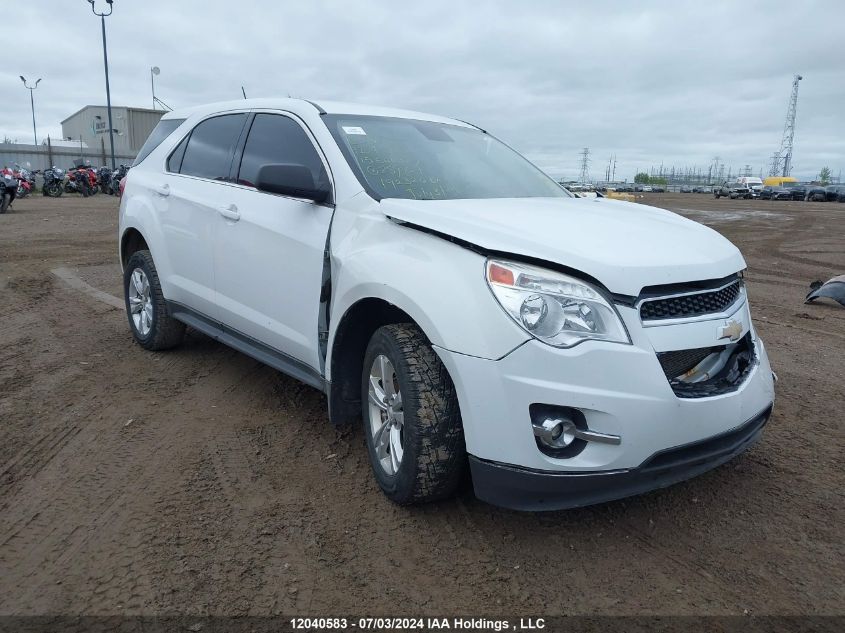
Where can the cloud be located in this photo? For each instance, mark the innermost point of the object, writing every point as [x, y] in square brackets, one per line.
[651, 82]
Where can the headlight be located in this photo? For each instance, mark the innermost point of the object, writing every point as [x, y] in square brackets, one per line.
[557, 309]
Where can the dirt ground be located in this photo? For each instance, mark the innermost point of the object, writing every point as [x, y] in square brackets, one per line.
[199, 481]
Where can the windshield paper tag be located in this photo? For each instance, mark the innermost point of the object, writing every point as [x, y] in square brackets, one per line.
[354, 130]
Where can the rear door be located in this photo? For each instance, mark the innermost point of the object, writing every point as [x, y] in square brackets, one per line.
[268, 252]
[198, 172]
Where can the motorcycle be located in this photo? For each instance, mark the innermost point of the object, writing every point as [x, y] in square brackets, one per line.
[104, 175]
[26, 181]
[8, 189]
[81, 180]
[117, 176]
[53, 182]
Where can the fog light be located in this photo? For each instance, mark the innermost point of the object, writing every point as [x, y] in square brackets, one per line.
[555, 432]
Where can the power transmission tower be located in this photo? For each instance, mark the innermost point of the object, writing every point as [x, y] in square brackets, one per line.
[585, 165]
[782, 161]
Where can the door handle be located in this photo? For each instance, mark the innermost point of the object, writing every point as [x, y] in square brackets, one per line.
[162, 190]
[230, 212]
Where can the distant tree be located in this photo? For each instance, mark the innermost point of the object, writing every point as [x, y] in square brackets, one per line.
[641, 178]
[824, 175]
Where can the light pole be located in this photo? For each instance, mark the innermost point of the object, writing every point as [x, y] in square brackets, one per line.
[32, 102]
[103, 17]
[155, 70]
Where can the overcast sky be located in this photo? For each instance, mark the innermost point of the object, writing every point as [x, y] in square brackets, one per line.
[651, 82]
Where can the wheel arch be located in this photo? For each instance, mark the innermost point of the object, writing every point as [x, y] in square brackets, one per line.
[348, 348]
[131, 241]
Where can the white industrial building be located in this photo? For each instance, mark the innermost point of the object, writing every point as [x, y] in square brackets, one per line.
[131, 127]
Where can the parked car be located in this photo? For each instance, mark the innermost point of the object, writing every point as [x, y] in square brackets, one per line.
[815, 193]
[797, 189]
[412, 268]
[658, 189]
[686, 189]
[752, 182]
[647, 189]
[770, 192]
[835, 193]
[732, 190]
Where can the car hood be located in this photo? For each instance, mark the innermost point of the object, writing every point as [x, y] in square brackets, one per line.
[624, 245]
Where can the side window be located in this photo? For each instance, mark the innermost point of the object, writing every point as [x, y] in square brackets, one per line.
[211, 145]
[174, 162]
[274, 138]
[161, 131]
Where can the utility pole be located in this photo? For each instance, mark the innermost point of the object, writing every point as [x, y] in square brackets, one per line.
[32, 103]
[155, 70]
[103, 17]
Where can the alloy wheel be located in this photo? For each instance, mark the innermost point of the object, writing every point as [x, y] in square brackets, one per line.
[140, 303]
[387, 417]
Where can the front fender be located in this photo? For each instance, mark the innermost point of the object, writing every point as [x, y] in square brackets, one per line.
[439, 284]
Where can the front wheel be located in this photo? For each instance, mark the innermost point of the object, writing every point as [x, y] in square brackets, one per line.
[151, 325]
[412, 421]
[5, 201]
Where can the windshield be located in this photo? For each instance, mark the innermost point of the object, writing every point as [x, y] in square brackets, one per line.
[421, 160]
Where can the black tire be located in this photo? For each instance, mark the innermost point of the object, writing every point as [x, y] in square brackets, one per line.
[5, 201]
[165, 331]
[434, 457]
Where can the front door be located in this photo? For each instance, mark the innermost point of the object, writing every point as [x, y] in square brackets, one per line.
[268, 249]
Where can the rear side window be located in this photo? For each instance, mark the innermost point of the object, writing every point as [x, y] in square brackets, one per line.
[274, 138]
[174, 162]
[161, 131]
[211, 145]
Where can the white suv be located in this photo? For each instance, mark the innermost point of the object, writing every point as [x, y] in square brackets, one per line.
[429, 279]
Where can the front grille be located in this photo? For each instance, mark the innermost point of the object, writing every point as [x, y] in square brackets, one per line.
[691, 305]
[677, 363]
[728, 378]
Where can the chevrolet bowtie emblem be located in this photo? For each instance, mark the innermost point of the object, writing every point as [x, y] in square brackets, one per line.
[731, 330]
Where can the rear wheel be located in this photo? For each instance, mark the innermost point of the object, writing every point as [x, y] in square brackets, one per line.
[412, 421]
[5, 201]
[151, 325]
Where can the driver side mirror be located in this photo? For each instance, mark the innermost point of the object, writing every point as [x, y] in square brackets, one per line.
[290, 179]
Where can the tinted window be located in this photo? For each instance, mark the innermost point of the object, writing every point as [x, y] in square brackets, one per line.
[161, 131]
[210, 147]
[278, 139]
[174, 163]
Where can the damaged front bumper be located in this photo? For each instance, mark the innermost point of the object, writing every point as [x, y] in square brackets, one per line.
[619, 391]
[531, 490]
